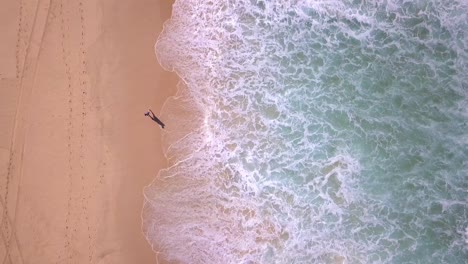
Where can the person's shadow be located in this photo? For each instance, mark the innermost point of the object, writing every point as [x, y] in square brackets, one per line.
[154, 118]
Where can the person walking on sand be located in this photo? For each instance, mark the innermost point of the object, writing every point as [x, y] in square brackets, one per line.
[155, 119]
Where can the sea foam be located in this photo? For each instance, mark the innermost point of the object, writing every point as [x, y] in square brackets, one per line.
[313, 132]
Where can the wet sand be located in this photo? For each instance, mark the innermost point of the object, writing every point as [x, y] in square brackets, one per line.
[76, 150]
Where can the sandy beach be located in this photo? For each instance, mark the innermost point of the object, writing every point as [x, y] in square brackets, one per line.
[76, 150]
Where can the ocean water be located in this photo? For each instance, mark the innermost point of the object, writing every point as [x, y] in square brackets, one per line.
[313, 131]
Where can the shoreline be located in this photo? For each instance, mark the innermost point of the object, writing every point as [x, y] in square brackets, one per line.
[144, 152]
[76, 150]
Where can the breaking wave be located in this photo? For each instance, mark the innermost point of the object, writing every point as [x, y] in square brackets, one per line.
[313, 132]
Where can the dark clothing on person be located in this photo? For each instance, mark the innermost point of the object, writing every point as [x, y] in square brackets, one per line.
[154, 118]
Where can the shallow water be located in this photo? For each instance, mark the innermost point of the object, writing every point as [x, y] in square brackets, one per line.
[314, 132]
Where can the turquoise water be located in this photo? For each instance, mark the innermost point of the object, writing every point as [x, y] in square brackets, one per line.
[314, 132]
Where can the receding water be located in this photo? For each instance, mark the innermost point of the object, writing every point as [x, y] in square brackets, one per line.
[314, 132]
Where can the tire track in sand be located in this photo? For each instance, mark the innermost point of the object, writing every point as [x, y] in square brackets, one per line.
[18, 39]
[67, 250]
[6, 226]
[26, 62]
[86, 195]
[5, 223]
[15, 240]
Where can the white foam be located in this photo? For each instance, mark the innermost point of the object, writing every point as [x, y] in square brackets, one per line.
[466, 237]
[261, 129]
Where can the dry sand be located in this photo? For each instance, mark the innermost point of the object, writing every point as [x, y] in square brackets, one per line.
[75, 147]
